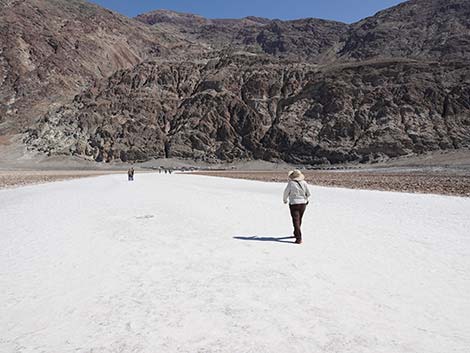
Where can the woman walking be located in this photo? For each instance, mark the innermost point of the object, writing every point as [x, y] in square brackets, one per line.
[297, 193]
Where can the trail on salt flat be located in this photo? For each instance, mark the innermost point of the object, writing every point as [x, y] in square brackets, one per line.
[187, 263]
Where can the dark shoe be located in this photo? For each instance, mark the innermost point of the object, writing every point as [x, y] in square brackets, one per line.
[298, 241]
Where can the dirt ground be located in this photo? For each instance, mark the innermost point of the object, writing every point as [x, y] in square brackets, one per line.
[10, 179]
[414, 182]
[443, 183]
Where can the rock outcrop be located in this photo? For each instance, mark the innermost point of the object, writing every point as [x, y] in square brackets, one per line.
[51, 50]
[243, 107]
[306, 38]
[176, 85]
[418, 29]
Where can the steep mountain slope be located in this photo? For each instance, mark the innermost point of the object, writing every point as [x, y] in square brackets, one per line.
[242, 107]
[424, 29]
[178, 85]
[217, 32]
[306, 38]
[51, 50]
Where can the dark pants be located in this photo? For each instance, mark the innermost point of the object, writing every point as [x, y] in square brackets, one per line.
[297, 212]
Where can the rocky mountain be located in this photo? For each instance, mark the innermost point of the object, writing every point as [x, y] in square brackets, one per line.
[306, 38]
[420, 29]
[51, 50]
[244, 107]
[306, 91]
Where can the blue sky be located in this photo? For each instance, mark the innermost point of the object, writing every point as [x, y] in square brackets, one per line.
[339, 10]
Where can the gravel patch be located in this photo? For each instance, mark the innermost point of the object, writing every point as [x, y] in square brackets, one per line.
[412, 182]
[9, 179]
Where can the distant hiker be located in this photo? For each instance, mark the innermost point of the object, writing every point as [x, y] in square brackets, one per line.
[130, 174]
[297, 193]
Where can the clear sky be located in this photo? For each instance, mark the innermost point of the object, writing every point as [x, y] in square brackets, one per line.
[339, 10]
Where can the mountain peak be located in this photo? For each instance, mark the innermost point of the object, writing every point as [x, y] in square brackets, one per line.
[89, 82]
[437, 29]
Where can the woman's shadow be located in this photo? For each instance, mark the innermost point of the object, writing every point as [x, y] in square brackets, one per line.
[273, 239]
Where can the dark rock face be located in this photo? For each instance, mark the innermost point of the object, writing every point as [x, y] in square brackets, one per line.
[238, 108]
[306, 38]
[212, 33]
[125, 117]
[374, 111]
[176, 85]
[424, 29]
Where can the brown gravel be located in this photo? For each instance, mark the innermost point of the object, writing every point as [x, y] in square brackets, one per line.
[10, 179]
[414, 182]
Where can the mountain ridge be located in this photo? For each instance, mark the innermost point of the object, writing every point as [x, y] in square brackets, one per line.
[303, 91]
